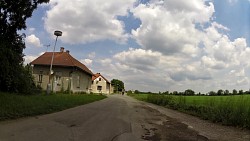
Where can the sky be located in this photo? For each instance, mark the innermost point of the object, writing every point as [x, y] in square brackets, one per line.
[151, 45]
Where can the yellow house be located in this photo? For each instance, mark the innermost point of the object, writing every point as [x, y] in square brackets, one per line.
[101, 85]
[68, 73]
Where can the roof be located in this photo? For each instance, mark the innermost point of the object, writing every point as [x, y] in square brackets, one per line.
[60, 59]
[95, 76]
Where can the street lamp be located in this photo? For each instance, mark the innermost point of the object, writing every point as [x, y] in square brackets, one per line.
[57, 33]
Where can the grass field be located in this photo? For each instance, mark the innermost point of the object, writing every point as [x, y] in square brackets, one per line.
[228, 110]
[15, 106]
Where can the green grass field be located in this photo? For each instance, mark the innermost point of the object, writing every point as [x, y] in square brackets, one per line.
[228, 110]
[14, 106]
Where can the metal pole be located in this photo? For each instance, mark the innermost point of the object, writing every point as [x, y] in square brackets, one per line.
[50, 70]
[52, 59]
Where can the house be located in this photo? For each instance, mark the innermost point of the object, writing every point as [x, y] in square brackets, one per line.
[101, 85]
[68, 73]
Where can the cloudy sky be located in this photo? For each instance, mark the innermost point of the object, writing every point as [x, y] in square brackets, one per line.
[151, 45]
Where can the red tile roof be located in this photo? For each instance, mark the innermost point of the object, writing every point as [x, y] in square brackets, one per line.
[60, 59]
[94, 76]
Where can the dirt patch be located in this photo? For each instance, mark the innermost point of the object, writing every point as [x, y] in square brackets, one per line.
[159, 127]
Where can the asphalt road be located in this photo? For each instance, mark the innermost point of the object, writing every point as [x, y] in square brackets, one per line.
[116, 118]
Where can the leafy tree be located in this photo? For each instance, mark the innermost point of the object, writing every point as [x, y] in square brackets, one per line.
[12, 18]
[226, 92]
[166, 93]
[118, 85]
[175, 93]
[241, 92]
[129, 92]
[189, 92]
[212, 93]
[220, 92]
[137, 92]
[235, 92]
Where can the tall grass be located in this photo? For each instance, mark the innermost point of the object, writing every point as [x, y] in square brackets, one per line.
[228, 110]
[15, 106]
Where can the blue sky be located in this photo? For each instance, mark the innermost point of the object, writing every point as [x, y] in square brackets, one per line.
[151, 45]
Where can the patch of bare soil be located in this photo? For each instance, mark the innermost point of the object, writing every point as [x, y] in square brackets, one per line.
[159, 127]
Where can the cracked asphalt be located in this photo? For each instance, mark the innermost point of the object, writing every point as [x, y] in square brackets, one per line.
[117, 118]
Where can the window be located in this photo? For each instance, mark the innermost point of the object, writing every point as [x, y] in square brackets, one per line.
[100, 79]
[99, 88]
[40, 77]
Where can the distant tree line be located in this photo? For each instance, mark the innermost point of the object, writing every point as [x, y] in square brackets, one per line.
[190, 92]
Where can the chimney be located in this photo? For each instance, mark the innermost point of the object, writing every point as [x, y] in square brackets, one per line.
[67, 51]
[62, 49]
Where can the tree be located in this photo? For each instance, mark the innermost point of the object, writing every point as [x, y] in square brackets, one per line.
[137, 92]
[241, 92]
[226, 92]
[189, 92]
[220, 92]
[235, 92]
[118, 85]
[175, 93]
[12, 18]
[212, 93]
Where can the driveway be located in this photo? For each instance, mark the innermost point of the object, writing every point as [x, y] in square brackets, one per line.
[117, 118]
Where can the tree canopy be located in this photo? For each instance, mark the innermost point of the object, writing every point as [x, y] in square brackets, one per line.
[118, 85]
[12, 19]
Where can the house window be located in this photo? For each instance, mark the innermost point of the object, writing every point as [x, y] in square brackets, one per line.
[99, 88]
[40, 77]
[100, 79]
[78, 81]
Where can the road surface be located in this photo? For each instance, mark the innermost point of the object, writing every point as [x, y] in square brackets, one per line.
[117, 118]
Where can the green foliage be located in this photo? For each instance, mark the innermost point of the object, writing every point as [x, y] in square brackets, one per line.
[129, 92]
[13, 15]
[189, 92]
[118, 85]
[220, 92]
[15, 106]
[235, 92]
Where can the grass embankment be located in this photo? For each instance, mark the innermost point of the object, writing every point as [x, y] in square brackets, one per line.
[14, 106]
[228, 110]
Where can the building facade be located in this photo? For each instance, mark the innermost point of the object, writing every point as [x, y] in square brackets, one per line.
[101, 85]
[68, 73]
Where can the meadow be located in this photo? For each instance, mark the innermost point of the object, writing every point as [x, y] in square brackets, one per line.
[14, 106]
[231, 110]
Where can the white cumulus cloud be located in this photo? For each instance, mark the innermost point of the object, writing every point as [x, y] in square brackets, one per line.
[87, 62]
[88, 20]
[32, 40]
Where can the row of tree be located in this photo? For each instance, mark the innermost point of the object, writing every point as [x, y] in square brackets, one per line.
[190, 92]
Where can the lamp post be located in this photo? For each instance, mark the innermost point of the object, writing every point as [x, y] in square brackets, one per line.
[56, 33]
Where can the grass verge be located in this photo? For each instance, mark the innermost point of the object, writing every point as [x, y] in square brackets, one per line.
[14, 106]
[228, 110]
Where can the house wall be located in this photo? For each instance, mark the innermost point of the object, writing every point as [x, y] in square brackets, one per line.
[64, 78]
[81, 82]
[104, 84]
[111, 89]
